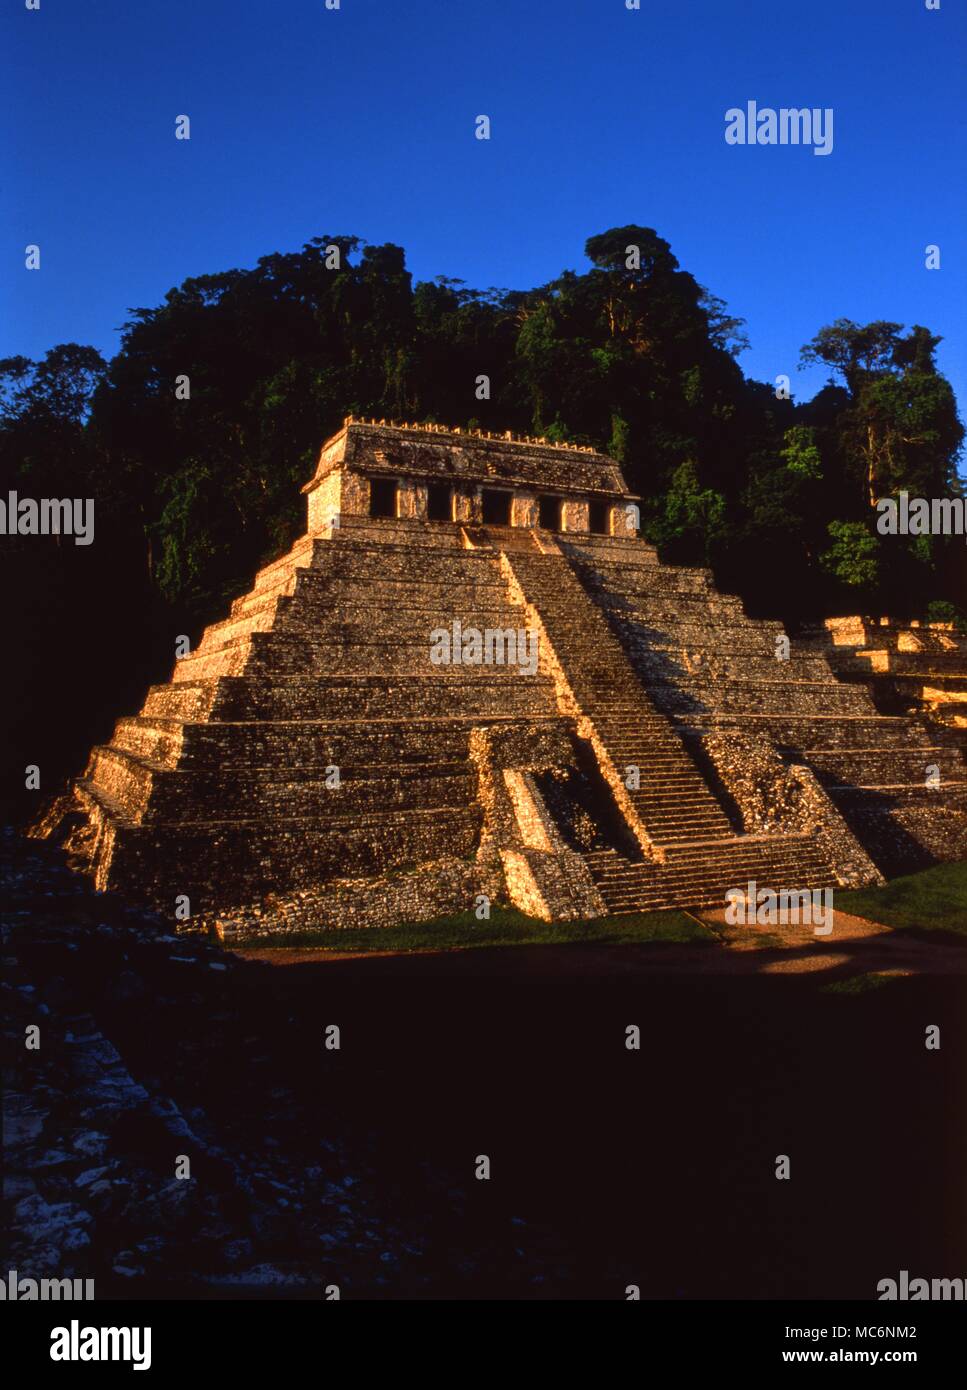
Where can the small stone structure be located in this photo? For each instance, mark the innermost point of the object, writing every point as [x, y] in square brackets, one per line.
[919, 667]
[361, 741]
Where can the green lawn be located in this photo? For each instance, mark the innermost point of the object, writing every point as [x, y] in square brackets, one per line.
[932, 900]
[506, 927]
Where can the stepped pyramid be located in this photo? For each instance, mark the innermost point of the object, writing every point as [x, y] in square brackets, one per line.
[471, 677]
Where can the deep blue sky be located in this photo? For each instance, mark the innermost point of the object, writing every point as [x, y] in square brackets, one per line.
[307, 122]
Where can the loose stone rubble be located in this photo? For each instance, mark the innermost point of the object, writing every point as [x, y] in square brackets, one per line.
[150, 1047]
[311, 763]
[90, 1150]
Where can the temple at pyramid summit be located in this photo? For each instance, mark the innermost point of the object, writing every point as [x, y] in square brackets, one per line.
[472, 679]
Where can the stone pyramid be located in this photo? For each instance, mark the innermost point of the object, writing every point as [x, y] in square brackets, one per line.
[471, 678]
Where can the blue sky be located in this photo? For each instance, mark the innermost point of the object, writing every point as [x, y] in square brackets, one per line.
[306, 121]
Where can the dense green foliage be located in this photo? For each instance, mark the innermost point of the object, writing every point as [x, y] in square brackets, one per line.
[633, 356]
[640, 362]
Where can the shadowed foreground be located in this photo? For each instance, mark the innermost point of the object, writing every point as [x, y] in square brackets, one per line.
[356, 1166]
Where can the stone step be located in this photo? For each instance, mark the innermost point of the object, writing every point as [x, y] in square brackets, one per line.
[487, 590]
[259, 600]
[790, 864]
[949, 796]
[922, 679]
[124, 778]
[184, 701]
[463, 691]
[410, 531]
[865, 766]
[281, 794]
[365, 558]
[248, 860]
[661, 813]
[280, 571]
[797, 731]
[658, 780]
[366, 624]
[154, 740]
[289, 654]
[705, 633]
[673, 799]
[358, 575]
[740, 696]
[655, 666]
[325, 663]
[629, 551]
[662, 747]
[228, 660]
[620, 572]
[395, 621]
[934, 662]
[309, 743]
[260, 618]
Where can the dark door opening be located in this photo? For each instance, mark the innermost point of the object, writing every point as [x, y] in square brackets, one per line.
[383, 495]
[598, 518]
[439, 502]
[496, 507]
[550, 513]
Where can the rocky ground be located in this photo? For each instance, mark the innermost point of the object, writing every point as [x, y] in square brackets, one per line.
[151, 1047]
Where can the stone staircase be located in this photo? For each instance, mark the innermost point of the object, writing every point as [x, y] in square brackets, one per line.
[673, 801]
[700, 855]
[700, 874]
[712, 669]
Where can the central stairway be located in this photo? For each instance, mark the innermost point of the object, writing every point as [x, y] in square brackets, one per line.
[698, 854]
[673, 800]
[701, 873]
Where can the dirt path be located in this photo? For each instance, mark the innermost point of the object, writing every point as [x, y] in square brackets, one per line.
[854, 947]
[870, 946]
